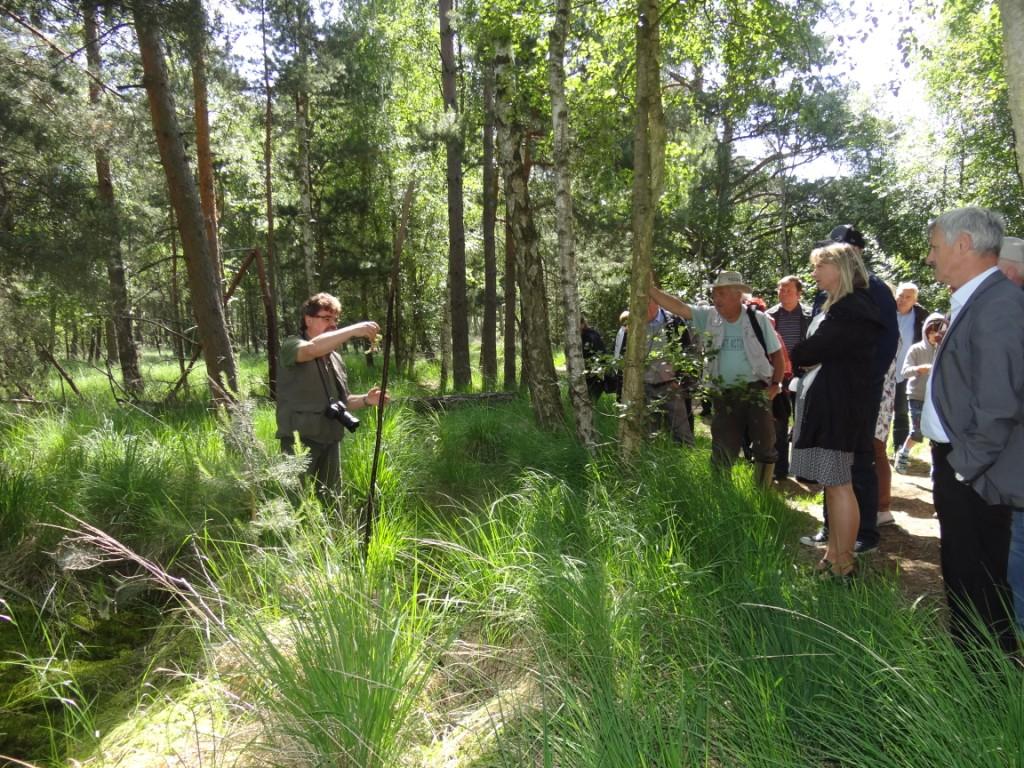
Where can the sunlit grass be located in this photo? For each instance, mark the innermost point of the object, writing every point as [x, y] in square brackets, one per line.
[523, 602]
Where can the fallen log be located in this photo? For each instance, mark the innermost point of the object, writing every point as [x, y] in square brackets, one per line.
[443, 402]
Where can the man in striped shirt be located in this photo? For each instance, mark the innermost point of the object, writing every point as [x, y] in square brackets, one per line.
[791, 321]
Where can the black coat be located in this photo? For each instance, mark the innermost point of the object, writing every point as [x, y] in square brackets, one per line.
[839, 411]
[920, 315]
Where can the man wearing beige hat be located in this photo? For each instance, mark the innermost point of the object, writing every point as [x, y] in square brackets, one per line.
[745, 371]
[1011, 260]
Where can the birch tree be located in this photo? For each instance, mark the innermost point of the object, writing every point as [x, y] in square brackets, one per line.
[578, 395]
[538, 364]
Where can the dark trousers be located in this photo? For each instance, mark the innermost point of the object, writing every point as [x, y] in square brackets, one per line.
[738, 414]
[900, 416]
[864, 475]
[974, 538]
[782, 434]
[324, 469]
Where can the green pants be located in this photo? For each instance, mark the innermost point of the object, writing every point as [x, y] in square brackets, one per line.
[324, 468]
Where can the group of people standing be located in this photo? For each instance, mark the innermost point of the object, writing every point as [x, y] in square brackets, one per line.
[862, 358]
[959, 378]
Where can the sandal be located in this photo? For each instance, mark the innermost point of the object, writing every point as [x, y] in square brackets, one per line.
[843, 575]
[823, 569]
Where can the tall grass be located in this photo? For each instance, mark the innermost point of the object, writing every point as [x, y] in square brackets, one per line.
[342, 674]
[566, 610]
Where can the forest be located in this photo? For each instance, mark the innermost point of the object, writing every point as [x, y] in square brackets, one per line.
[546, 583]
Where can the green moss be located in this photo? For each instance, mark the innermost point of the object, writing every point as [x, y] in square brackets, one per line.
[50, 697]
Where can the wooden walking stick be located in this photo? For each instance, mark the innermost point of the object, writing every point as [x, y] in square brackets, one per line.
[370, 510]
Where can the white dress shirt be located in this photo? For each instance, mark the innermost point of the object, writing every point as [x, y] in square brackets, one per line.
[931, 426]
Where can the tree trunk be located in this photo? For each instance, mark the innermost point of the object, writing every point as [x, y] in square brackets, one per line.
[785, 243]
[648, 169]
[305, 190]
[303, 35]
[537, 360]
[489, 334]
[110, 341]
[511, 302]
[178, 336]
[723, 205]
[203, 282]
[462, 375]
[446, 339]
[271, 260]
[204, 154]
[1012, 14]
[127, 351]
[579, 397]
[416, 323]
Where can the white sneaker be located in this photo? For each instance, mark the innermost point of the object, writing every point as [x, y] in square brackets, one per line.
[885, 518]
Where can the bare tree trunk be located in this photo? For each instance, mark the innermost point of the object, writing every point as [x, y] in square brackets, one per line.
[648, 168]
[723, 206]
[203, 282]
[110, 341]
[416, 321]
[511, 302]
[488, 334]
[578, 394]
[303, 35]
[268, 301]
[398, 243]
[785, 243]
[1012, 14]
[271, 261]
[204, 154]
[446, 339]
[512, 149]
[305, 187]
[126, 351]
[462, 374]
[178, 337]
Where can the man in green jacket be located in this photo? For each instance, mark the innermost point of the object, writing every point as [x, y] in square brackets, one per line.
[313, 399]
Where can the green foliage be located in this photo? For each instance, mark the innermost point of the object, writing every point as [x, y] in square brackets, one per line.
[22, 333]
[967, 84]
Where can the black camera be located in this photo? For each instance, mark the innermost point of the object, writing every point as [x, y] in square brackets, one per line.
[339, 412]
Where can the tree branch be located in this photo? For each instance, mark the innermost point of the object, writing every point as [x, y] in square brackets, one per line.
[67, 56]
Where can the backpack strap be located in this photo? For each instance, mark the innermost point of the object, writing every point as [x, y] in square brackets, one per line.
[752, 316]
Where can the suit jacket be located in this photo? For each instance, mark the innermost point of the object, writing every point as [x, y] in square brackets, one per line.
[978, 391]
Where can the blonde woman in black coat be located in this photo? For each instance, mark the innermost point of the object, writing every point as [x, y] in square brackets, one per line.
[834, 418]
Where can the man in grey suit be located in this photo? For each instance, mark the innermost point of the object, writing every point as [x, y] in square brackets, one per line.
[974, 415]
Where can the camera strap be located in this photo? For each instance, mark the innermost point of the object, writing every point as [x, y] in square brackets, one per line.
[323, 378]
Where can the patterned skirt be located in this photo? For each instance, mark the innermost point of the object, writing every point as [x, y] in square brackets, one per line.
[823, 465]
